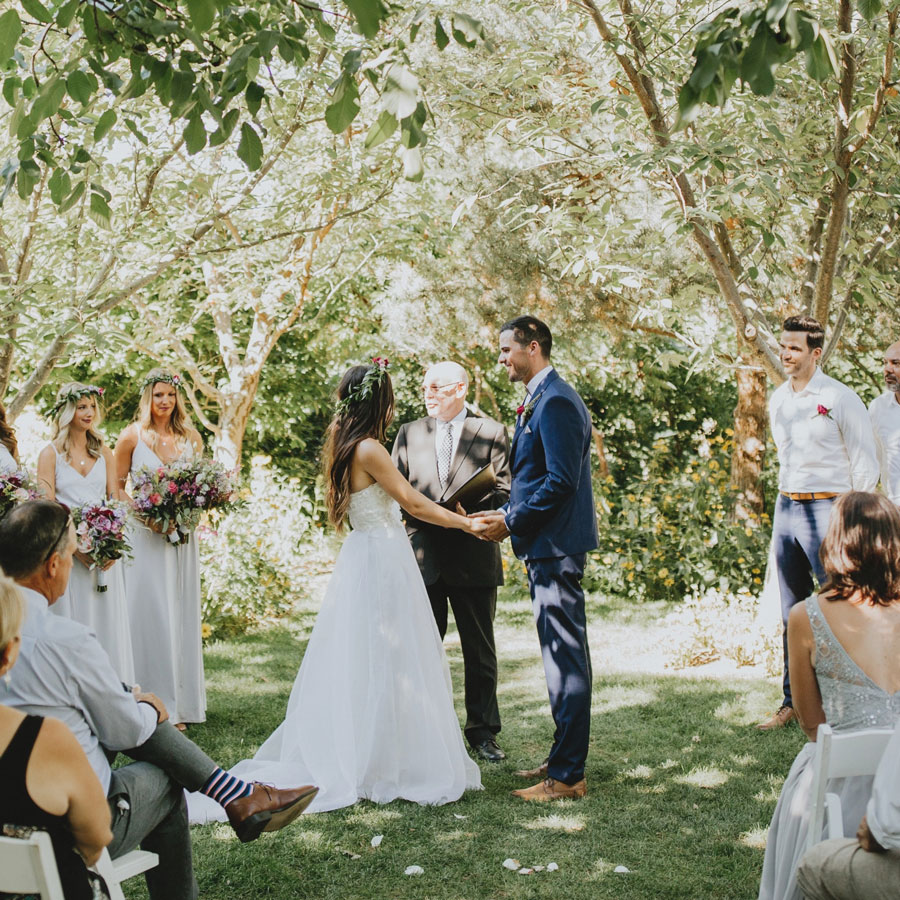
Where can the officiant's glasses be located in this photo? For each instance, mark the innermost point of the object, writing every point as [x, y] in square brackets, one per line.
[437, 390]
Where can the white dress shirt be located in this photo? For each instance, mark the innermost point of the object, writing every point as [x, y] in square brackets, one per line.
[883, 811]
[833, 452]
[8, 463]
[439, 431]
[63, 672]
[884, 412]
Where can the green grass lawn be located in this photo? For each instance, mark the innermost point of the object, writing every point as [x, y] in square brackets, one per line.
[680, 786]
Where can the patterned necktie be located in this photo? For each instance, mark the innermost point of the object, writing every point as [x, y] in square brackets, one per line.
[444, 454]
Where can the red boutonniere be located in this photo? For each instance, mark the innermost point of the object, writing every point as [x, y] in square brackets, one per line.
[823, 411]
[527, 410]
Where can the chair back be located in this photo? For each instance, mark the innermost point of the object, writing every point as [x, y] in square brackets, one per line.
[28, 866]
[840, 755]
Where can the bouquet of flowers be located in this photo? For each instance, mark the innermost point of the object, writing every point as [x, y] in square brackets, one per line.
[177, 494]
[100, 531]
[16, 487]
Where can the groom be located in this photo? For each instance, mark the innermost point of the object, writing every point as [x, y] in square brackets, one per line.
[551, 521]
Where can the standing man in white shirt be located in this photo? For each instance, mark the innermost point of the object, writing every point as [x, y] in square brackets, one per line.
[884, 412]
[866, 867]
[825, 448]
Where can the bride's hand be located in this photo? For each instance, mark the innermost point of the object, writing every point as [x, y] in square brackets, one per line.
[476, 526]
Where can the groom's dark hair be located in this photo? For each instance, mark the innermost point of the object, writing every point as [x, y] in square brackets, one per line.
[526, 329]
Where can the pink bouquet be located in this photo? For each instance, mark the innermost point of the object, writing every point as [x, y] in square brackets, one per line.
[16, 487]
[173, 497]
[100, 531]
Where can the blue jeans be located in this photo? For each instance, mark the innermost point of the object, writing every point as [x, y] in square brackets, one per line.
[797, 533]
[558, 604]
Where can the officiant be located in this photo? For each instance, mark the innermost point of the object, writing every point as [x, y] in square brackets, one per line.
[439, 454]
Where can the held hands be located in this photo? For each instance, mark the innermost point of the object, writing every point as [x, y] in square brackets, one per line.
[146, 697]
[867, 839]
[494, 525]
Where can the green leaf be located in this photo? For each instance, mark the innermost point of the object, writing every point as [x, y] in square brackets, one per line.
[223, 132]
[99, 210]
[413, 167]
[412, 134]
[250, 148]
[60, 184]
[131, 125]
[79, 87]
[254, 94]
[868, 9]
[202, 13]
[25, 182]
[466, 30]
[383, 128]
[182, 86]
[401, 91]
[821, 60]
[758, 61]
[10, 32]
[344, 106]
[66, 13]
[73, 198]
[38, 10]
[194, 135]
[369, 15]
[104, 123]
[440, 36]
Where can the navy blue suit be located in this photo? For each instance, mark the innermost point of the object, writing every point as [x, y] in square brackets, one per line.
[552, 526]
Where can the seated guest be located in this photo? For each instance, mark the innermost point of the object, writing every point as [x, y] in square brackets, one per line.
[866, 867]
[47, 781]
[63, 672]
[844, 644]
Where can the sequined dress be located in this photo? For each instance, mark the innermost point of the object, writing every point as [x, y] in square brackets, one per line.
[371, 712]
[852, 701]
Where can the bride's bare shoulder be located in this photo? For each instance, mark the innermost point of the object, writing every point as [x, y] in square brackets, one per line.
[369, 450]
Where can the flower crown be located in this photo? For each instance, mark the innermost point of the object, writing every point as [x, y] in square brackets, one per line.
[175, 380]
[74, 396]
[363, 390]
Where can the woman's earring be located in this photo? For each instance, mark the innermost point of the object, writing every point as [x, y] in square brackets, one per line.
[7, 680]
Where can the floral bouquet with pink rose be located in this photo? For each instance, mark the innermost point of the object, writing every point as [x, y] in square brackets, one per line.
[172, 498]
[100, 533]
[16, 487]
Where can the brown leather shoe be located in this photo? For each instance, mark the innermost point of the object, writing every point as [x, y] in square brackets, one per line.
[267, 809]
[551, 789]
[779, 719]
[531, 774]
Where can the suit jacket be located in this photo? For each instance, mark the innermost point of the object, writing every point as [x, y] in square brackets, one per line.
[551, 504]
[459, 558]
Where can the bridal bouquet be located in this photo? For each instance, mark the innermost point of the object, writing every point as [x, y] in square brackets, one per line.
[173, 497]
[100, 532]
[16, 487]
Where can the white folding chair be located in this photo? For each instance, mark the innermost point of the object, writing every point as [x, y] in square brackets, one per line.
[28, 866]
[840, 755]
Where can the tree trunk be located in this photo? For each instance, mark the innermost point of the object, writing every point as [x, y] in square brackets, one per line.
[750, 417]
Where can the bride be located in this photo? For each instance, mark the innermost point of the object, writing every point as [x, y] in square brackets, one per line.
[371, 712]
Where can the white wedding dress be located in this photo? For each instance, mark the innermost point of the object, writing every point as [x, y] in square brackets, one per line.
[371, 712]
[8, 463]
[106, 614]
[163, 584]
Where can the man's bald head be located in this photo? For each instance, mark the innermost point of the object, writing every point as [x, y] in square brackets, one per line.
[447, 372]
[445, 386]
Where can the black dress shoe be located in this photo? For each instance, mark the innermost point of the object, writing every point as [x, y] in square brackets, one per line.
[489, 750]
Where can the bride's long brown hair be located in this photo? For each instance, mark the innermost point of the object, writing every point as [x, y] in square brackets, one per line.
[8, 435]
[360, 415]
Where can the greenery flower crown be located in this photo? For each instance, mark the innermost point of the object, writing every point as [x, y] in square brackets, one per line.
[363, 390]
[175, 380]
[74, 396]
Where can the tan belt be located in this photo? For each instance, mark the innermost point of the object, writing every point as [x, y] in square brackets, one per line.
[815, 495]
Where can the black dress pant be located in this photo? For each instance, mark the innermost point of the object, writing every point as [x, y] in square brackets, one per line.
[473, 609]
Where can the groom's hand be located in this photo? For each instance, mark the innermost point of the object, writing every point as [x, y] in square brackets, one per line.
[496, 529]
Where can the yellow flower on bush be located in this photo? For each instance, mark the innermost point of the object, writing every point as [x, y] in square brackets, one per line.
[205, 630]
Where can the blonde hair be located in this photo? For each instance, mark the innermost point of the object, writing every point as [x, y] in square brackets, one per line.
[64, 415]
[12, 611]
[179, 423]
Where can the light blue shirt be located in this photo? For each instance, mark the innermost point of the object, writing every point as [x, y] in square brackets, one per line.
[63, 672]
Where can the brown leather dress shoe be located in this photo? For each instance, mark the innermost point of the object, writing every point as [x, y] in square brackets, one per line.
[531, 774]
[551, 789]
[267, 809]
[779, 719]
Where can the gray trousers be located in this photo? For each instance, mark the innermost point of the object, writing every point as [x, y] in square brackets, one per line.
[841, 870]
[146, 799]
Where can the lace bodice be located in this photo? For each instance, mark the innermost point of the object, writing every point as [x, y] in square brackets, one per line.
[850, 698]
[373, 508]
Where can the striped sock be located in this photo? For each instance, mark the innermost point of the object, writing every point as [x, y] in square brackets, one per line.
[223, 788]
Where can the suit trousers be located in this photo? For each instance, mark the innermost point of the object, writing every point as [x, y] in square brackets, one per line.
[797, 533]
[148, 808]
[841, 870]
[473, 609]
[558, 604]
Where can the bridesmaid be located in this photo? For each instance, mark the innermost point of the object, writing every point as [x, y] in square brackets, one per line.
[9, 449]
[164, 579]
[77, 468]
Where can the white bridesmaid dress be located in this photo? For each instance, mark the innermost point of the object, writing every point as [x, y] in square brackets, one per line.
[371, 712]
[8, 465]
[106, 614]
[163, 583]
